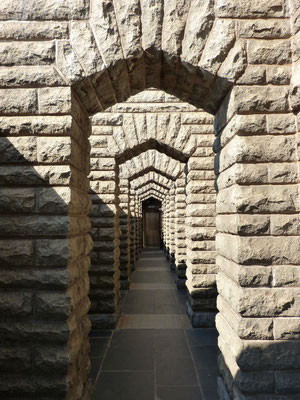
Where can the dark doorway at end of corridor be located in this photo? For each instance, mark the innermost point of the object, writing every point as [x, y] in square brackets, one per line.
[152, 223]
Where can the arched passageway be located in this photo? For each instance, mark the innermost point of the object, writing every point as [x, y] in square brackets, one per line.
[152, 223]
[66, 63]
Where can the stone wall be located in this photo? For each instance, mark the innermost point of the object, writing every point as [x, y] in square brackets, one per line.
[62, 62]
[44, 249]
[257, 220]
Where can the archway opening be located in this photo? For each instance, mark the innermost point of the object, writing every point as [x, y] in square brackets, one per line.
[152, 223]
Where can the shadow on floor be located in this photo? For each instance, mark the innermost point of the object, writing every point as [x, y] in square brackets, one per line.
[154, 353]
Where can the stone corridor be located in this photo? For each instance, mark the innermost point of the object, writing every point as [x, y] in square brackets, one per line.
[104, 106]
[154, 353]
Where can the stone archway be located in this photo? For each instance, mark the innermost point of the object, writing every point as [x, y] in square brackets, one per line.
[45, 160]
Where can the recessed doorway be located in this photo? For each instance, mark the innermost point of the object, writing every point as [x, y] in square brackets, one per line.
[151, 223]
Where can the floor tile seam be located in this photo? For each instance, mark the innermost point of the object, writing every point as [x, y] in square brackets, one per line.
[147, 289]
[154, 370]
[194, 364]
[152, 269]
[126, 370]
[162, 315]
[175, 385]
[103, 359]
[143, 289]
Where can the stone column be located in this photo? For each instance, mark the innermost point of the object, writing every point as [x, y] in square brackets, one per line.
[132, 223]
[139, 224]
[180, 235]
[167, 226]
[141, 244]
[44, 246]
[105, 272]
[172, 227]
[200, 235]
[125, 270]
[163, 224]
[258, 245]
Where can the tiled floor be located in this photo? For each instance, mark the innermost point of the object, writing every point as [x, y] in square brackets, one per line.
[154, 353]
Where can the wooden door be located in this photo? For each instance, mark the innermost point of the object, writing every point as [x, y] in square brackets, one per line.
[152, 231]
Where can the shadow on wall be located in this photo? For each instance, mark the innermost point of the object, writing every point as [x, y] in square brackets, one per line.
[44, 282]
[262, 369]
[44, 275]
[110, 260]
[171, 74]
[45, 267]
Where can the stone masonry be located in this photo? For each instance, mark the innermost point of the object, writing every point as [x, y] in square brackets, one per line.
[106, 103]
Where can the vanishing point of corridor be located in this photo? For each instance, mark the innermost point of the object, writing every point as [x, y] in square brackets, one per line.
[154, 354]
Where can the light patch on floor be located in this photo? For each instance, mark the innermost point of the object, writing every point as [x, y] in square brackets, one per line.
[157, 321]
[152, 286]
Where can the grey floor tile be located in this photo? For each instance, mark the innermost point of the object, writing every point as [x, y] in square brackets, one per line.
[124, 386]
[163, 301]
[171, 369]
[139, 302]
[208, 382]
[95, 366]
[153, 321]
[178, 393]
[152, 286]
[95, 333]
[130, 350]
[154, 339]
[205, 357]
[152, 277]
[202, 337]
[98, 346]
[171, 344]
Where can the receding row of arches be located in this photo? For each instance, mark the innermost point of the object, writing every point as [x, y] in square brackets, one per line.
[76, 151]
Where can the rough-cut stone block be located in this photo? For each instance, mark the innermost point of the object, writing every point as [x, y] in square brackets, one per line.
[30, 76]
[16, 303]
[258, 199]
[215, 50]
[27, 53]
[51, 358]
[286, 329]
[198, 26]
[18, 149]
[18, 101]
[269, 52]
[35, 125]
[54, 305]
[15, 200]
[240, 9]
[45, 9]
[16, 253]
[55, 100]
[287, 382]
[246, 328]
[54, 150]
[16, 359]
[33, 30]
[259, 302]
[263, 29]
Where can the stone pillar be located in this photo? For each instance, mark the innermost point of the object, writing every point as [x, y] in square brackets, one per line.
[163, 224]
[180, 235]
[104, 273]
[258, 245]
[125, 269]
[44, 246]
[172, 227]
[200, 235]
[132, 223]
[141, 244]
[167, 226]
[139, 225]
